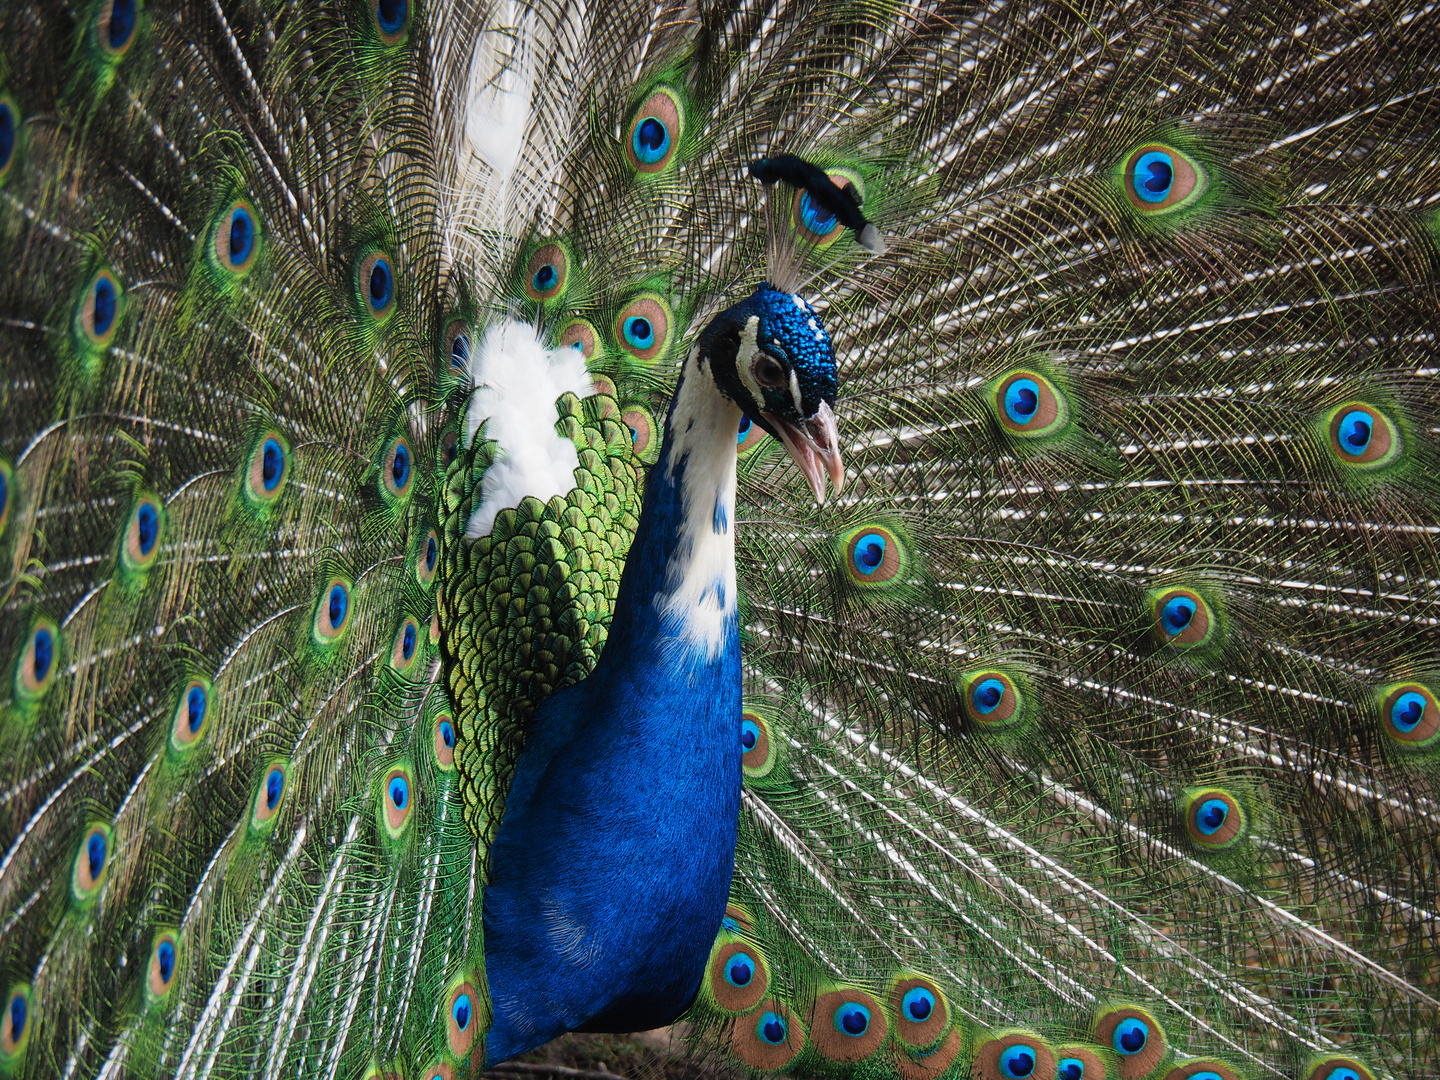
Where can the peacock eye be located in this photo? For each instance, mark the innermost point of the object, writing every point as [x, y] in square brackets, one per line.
[396, 801]
[376, 284]
[429, 558]
[818, 220]
[1027, 404]
[1131, 1035]
[460, 1025]
[142, 537]
[1362, 435]
[407, 642]
[643, 327]
[99, 312]
[769, 372]
[579, 334]
[269, 460]
[740, 969]
[991, 699]
[1017, 1062]
[1182, 618]
[190, 715]
[162, 964]
[546, 273]
[392, 20]
[269, 797]
[771, 1028]
[397, 472]
[237, 238]
[8, 134]
[642, 432]
[115, 28]
[333, 611]
[1070, 1069]
[1214, 818]
[38, 661]
[655, 132]
[1158, 179]
[91, 859]
[1410, 716]
[445, 742]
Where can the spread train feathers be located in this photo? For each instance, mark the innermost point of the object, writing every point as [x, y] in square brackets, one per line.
[1090, 731]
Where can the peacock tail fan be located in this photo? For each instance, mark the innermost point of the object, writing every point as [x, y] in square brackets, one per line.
[1090, 731]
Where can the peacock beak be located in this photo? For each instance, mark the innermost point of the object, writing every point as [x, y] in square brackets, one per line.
[815, 446]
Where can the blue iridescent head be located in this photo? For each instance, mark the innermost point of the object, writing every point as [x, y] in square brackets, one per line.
[770, 356]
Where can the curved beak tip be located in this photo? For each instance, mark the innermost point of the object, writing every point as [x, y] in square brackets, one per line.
[815, 447]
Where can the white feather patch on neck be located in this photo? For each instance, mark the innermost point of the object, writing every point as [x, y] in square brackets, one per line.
[700, 579]
[517, 382]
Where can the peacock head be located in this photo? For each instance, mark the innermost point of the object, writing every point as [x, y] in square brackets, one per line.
[770, 356]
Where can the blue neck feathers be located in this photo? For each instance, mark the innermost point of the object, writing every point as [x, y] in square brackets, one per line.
[611, 868]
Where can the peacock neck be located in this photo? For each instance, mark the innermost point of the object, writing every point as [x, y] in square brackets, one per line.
[611, 868]
[677, 592]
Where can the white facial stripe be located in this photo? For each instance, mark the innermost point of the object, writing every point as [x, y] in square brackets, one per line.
[795, 393]
[700, 583]
[744, 362]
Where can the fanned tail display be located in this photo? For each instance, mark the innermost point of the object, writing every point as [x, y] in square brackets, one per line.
[902, 536]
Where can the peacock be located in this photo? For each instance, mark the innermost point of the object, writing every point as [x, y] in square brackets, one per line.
[904, 537]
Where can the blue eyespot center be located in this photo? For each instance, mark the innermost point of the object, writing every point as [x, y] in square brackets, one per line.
[44, 654]
[339, 604]
[382, 285]
[1175, 616]
[165, 960]
[407, 641]
[740, 969]
[122, 23]
[651, 141]
[545, 278]
[399, 792]
[1407, 712]
[390, 14]
[869, 553]
[1154, 176]
[987, 695]
[274, 786]
[460, 1010]
[104, 306]
[852, 1019]
[639, 332]
[1356, 428]
[460, 351]
[820, 220]
[447, 733]
[771, 1028]
[195, 708]
[1022, 398]
[432, 552]
[7, 134]
[147, 527]
[1342, 1073]
[242, 235]
[272, 464]
[95, 854]
[400, 466]
[1070, 1069]
[1211, 815]
[749, 734]
[19, 1014]
[1130, 1036]
[1017, 1062]
[745, 425]
[917, 1004]
[1206, 1075]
